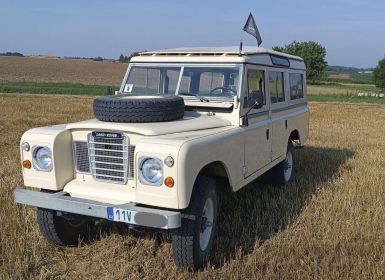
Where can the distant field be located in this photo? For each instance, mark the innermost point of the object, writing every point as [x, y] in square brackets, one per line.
[346, 98]
[354, 78]
[51, 70]
[84, 77]
[54, 88]
[340, 88]
[328, 224]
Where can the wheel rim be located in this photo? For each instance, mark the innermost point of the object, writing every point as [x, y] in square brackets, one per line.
[288, 166]
[207, 223]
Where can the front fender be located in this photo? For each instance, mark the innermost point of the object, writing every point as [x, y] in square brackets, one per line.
[225, 147]
[59, 140]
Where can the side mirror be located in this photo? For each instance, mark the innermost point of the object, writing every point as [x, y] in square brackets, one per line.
[257, 98]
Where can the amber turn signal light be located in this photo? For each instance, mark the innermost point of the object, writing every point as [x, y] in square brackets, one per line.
[27, 164]
[169, 182]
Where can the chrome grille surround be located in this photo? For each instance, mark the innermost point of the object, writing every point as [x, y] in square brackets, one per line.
[110, 158]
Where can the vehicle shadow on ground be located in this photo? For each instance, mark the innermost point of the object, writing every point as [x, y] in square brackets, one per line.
[258, 211]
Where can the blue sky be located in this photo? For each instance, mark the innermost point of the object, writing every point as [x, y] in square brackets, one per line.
[352, 31]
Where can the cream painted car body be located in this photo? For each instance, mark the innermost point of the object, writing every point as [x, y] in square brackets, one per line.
[216, 144]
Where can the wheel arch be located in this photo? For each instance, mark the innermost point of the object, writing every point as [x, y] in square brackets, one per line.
[295, 137]
[218, 171]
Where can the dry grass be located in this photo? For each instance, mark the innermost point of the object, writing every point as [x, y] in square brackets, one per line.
[20, 69]
[328, 224]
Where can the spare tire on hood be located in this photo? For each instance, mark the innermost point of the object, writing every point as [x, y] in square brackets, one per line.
[138, 109]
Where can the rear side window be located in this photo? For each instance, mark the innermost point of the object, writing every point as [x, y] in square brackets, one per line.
[276, 87]
[296, 86]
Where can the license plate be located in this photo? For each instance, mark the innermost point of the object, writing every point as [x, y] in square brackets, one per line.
[119, 215]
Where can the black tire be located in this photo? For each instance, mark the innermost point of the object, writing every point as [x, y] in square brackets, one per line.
[62, 231]
[136, 109]
[278, 176]
[186, 242]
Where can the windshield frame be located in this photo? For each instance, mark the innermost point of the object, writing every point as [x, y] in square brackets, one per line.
[189, 65]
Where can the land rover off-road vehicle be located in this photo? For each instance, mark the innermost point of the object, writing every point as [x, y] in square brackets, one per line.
[150, 158]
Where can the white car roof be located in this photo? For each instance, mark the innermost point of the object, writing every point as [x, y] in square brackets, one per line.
[249, 54]
[232, 50]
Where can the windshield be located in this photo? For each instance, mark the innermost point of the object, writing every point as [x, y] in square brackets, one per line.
[152, 80]
[199, 82]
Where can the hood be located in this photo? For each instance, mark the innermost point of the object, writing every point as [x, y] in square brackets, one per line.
[191, 121]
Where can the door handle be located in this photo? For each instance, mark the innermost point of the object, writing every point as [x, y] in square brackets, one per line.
[267, 134]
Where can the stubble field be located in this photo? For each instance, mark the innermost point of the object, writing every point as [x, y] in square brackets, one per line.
[328, 224]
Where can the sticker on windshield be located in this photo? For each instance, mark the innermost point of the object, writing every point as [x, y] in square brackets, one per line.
[128, 88]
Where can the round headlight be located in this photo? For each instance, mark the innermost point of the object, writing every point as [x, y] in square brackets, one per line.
[151, 171]
[42, 158]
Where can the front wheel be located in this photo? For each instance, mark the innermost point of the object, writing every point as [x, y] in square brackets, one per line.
[192, 242]
[62, 230]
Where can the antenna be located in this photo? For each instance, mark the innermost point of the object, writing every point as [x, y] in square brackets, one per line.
[240, 48]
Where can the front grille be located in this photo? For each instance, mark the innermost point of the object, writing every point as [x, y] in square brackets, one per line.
[82, 160]
[106, 159]
[110, 158]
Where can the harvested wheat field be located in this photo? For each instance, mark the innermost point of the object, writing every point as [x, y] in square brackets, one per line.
[48, 70]
[328, 224]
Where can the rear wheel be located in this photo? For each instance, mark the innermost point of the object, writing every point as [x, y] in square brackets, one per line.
[62, 230]
[193, 241]
[283, 173]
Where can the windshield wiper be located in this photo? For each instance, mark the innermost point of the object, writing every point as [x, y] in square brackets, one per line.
[187, 94]
[201, 98]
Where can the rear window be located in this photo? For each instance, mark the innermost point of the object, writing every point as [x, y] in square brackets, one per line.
[296, 86]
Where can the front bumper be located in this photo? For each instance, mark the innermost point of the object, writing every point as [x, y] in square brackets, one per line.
[61, 201]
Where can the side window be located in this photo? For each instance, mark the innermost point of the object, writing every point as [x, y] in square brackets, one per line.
[276, 87]
[255, 82]
[296, 86]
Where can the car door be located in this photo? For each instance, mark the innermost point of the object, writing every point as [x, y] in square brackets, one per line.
[257, 134]
[278, 106]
